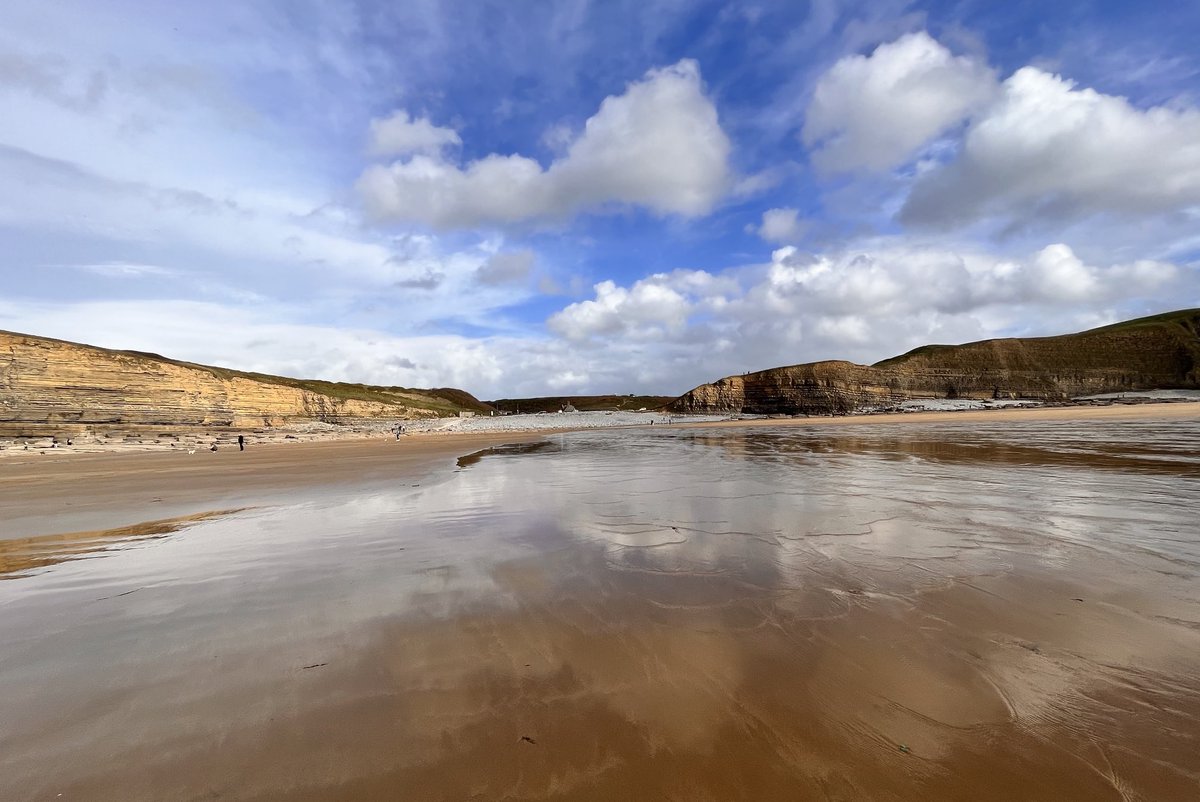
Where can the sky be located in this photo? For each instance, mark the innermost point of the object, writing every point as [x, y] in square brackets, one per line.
[571, 197]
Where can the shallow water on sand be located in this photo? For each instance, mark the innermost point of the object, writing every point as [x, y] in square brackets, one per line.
[875, 612]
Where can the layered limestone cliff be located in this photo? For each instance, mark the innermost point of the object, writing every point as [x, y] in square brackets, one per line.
[50, 385]
[1158, 352]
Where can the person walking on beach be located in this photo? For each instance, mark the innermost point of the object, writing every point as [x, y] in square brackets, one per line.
[241, 443]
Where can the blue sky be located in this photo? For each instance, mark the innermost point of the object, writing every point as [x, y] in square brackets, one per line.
[529, 198]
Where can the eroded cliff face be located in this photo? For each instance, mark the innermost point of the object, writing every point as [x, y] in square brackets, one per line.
[65, 386]
[1151, 353]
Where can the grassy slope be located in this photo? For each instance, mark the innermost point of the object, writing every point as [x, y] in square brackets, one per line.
[1185, 320]
[443, 400]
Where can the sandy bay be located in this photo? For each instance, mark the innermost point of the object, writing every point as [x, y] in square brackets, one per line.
[989, 605]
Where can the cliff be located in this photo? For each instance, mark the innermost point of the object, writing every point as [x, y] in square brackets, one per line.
[1156, 352]
[51, 386]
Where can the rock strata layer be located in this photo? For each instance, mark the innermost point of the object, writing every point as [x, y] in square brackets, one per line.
[51, 386]
[1160, 352]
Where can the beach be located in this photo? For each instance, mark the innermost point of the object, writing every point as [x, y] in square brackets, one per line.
[56, 491]
[65, 492]
[986, 605]
[600, 402]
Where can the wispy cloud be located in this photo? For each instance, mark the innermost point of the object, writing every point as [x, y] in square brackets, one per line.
[121, 270]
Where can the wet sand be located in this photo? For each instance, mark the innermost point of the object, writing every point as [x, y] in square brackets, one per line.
[61, 492]
[975, 610]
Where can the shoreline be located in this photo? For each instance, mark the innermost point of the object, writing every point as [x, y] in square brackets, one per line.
[977, 617]
[1177, 410]
[197, 440]
[61, 492]
[103, 491]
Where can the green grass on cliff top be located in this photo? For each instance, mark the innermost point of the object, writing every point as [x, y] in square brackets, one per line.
[1188, 319]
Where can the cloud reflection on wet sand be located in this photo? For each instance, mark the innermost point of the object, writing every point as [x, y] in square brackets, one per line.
[938, 612]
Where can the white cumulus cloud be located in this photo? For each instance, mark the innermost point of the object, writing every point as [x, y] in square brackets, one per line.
[659, 145]
[401, 135]
[900, 280]
[781, 225]
[873, 112]
[1050, 150]
[651, 307]
[864, 303]
[663, 334]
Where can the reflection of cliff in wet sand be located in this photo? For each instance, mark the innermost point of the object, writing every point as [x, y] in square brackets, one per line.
[21, 555]
[89, 491]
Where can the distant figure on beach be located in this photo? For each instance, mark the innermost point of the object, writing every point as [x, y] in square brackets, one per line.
[70, 442]
[241, 443]
[213, 447]
[398, 429]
